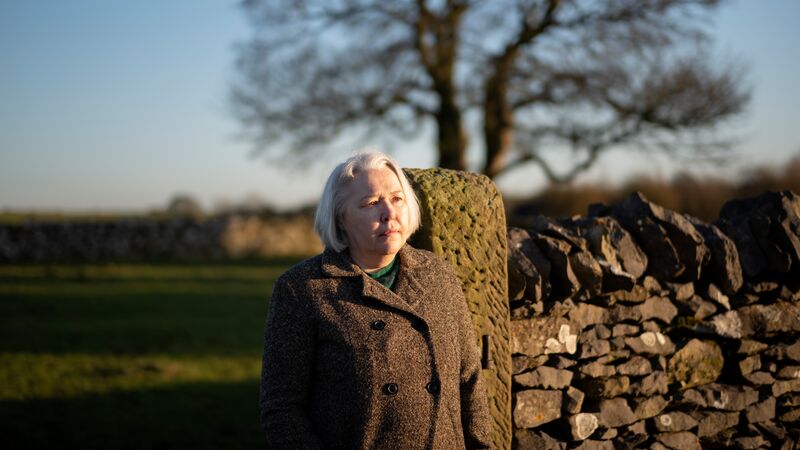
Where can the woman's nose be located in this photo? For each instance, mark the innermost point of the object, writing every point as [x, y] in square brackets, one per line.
[388, 211]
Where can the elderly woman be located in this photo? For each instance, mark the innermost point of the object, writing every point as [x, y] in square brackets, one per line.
[369, 345]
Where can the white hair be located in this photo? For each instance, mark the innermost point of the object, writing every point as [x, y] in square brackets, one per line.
[331, 206]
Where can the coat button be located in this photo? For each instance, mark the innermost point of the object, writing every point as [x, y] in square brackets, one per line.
[390, 388]
[378, 325]
[433, 387]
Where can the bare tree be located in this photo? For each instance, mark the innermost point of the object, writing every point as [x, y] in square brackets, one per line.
[539, 77]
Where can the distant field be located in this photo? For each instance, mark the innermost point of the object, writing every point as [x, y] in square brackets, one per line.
[132, 356]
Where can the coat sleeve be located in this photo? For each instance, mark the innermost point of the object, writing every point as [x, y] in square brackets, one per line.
[475, 416]
[288, 361]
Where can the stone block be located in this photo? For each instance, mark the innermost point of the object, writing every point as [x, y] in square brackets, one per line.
[697, 363]
[535, 407]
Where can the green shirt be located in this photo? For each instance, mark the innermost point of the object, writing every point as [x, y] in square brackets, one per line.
[386, 275]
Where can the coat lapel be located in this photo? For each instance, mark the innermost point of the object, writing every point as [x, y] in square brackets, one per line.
[408, 290]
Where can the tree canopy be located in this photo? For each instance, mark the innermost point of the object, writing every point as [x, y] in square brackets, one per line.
[530, 78]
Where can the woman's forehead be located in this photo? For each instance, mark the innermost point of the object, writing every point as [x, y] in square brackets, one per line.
[377, 181]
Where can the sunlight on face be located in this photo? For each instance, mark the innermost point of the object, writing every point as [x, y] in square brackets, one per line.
[375, 218]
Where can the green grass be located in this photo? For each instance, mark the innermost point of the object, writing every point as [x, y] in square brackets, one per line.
[132, 356]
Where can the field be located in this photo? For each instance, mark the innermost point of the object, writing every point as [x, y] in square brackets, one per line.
[132, 356]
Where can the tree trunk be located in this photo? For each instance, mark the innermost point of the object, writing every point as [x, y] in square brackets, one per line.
[452, 138]
[497, 121]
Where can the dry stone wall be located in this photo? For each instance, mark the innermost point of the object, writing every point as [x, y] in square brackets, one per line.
[129, 240]
[639, 327]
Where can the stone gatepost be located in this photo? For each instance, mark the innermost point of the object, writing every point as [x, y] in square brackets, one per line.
[463, 221]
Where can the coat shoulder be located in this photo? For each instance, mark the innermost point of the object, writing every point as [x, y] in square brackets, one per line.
[304, 270]
[430, 261]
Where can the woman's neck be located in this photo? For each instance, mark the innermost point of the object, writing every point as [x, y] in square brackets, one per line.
[375, 264]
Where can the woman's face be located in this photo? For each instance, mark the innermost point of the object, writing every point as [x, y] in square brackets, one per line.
[375, 218]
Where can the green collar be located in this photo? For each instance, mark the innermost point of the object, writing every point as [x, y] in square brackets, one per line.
[386, 275]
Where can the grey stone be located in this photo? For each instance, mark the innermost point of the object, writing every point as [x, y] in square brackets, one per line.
[560, 362]
[781, 387]
[765, 230]
[633, 215]
[623, 329]
[770, 320]
[724, 267]
[711, 423]
[542, 335]
[697, 363]
[674, 421]
[615, 412]
[727, 324]
[562, 278]
[605, 387]
[613, 244]
[562, 230]
[639, 427]
[782, 352]
[751, 347]
[523, 363]
[528, 269]
[645, 408]
[727, 397]
[536, 440]
[696, 307]
[588, 272]
[573, 400]
[761, 412]
[714, 294]
[750, 442]
[635, 366]
[535, 407]
[597, 370]
[658, 308]
[681, 291]
[614, 356]
[655, 383]
[682, 440]
[750, 364]
[759, 378]
[651, 343]
[790, 416]
[665, 236]
[594, 348]
[545, 377]
[585, 314]
[651, 285]
[595, 445]
[789, 372]
[583, 425]
[691, 397]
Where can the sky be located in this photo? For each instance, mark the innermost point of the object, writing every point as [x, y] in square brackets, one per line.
[118, 105]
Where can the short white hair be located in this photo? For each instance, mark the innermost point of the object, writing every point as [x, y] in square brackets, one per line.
[327, 221]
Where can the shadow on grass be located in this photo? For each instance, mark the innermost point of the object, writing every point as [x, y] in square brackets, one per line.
[168, 324]
[191, 416]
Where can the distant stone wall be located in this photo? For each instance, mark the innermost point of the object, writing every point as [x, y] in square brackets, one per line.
[638, 327]
[131, 240]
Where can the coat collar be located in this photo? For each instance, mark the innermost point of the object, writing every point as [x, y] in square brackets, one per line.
[340, 264]
[408, 289]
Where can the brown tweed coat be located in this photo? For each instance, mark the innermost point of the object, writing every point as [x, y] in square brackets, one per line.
[349, 364]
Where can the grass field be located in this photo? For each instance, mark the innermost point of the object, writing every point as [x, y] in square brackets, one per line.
[132, 356]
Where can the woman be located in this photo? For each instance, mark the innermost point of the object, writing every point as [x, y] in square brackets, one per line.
[369, 345]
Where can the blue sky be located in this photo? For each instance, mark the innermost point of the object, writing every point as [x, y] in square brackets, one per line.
[118, 105]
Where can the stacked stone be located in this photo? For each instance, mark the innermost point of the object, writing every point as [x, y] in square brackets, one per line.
[638, 327]
[144, 239]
